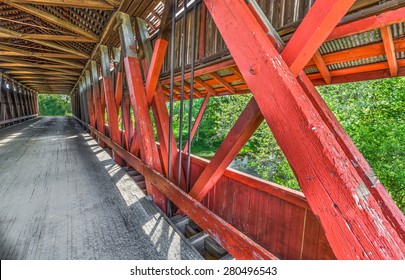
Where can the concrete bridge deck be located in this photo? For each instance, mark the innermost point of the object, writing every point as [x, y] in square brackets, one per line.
[63, 197]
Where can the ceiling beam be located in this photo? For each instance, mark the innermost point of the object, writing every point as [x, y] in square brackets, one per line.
[16, 35]
[35, 65]
[50, 18]
[88, 4]
[23, 72]
[60, 38]
[8, 51]
[46, 77]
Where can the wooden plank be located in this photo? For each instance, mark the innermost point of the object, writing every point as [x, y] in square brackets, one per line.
[313, 30]
[389, 49]
[323, 69]
[347, 242]
[235, 242]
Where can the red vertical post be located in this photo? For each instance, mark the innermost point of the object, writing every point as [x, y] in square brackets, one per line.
[97, 100]
[110, 100]
[89, 95]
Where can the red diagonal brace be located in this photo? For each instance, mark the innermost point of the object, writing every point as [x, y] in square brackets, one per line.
[353, 220]
[110, 100]
[140, 106]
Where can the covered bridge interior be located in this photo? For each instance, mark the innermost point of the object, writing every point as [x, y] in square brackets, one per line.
[125, 63]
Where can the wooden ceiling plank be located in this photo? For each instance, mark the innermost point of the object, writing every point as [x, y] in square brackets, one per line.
[389, 50]
[88, 4]
[50, 18]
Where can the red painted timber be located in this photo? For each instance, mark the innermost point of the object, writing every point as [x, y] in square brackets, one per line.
[245, 126]
[236, 243]
[256, 207]
[388, 206]
[322, 17]
[352, 218]
[367, 24]
[323, 69]
[143, 124]
[158, 56]
[97, 100]
[127, 120]
[389, 50]
[112, 113]
[357, 77]
[118, 90]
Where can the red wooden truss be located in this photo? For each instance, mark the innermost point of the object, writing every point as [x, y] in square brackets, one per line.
[346, 212]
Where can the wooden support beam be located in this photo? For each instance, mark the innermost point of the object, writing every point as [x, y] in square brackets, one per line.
[235, 242]
[16, 35]
[327, 177]
[8, 51]
[34, 72]
[112, 112]
[154, 61]
[45, 37]
[358, 53]
[155, 67]
[389, 49]
[88, 4]
[100, 125]
[224, 83]
[140, 106]
[369, 23]
[50, 18]
[322, 17]
[357, 77]
[323, 69]
[89, 95]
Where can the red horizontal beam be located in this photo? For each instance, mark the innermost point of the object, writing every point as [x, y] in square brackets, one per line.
[358, 77]
[367, 24]
[362, 69]
[235, 242]
[357, 53]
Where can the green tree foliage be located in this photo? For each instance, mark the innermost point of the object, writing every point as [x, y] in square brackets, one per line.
[371, 112]
[54, 105]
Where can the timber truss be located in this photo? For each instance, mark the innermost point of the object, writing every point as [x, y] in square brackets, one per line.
[201, 49]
